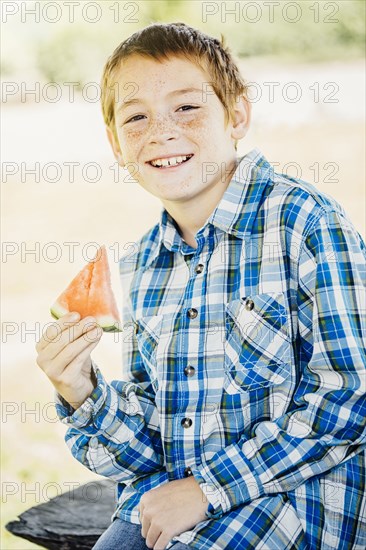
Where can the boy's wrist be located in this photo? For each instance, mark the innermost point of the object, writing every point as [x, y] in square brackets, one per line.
[82, 416]
[76, 402]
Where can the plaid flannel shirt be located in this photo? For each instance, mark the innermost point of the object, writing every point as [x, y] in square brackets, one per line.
[244, 366]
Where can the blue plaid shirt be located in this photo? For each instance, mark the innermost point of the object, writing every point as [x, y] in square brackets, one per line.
[244, 366]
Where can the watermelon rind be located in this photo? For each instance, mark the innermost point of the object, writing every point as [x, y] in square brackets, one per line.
[108, 324]
[58, 311]
[112, 328]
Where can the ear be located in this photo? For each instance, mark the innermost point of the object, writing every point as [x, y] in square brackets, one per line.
[115, 147]
[241, 118]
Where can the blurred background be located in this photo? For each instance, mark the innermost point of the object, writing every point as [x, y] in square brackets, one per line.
[62, 195]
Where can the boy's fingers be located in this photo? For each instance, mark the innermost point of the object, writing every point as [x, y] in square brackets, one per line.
[66, 339]
[75, 353]
[73, 368]
[54, 330]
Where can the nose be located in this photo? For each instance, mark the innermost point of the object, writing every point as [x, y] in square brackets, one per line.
[162, 130]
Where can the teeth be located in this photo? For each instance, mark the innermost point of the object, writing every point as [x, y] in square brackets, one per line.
[169, 162]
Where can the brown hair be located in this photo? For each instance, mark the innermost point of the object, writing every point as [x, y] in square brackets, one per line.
[160, 41]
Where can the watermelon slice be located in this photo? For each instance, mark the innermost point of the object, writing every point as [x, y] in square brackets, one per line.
[90, 293]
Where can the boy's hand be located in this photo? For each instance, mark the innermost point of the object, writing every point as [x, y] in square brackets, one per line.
[171, 509]
[64, 355]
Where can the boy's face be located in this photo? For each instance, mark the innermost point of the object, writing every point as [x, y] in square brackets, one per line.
[164, 122]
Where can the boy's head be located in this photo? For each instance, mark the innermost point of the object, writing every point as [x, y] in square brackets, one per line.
[161, 41]
[173, 95]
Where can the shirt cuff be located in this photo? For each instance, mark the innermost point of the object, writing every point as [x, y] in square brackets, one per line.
[212, 494]
[227, 480]
[83, 415]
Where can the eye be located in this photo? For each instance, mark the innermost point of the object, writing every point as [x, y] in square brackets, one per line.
[186, 107]
[133, 118]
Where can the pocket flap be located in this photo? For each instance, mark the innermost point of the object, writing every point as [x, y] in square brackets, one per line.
[258, 343]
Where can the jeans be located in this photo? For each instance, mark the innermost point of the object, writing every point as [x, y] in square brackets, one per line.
[122, 535]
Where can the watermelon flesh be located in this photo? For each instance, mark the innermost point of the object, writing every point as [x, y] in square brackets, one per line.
[90, 293]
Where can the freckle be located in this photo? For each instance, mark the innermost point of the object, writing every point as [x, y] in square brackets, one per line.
[135, 134]
[192, 124]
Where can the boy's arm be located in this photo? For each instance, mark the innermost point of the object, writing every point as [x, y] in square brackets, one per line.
[115, 432]
[326, 423]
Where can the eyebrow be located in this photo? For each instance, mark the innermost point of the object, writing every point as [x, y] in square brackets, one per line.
[172, 93]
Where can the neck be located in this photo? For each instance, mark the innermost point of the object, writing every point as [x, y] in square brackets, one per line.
[191, 215]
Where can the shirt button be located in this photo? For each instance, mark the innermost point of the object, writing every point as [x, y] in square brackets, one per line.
[186, 422]
[93, 443]
[249, 305]
[192, 313]
[199, 268]
[187, 472]
[189, 371]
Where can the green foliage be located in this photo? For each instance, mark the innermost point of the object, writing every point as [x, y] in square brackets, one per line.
[74, 54]
[325, 31]
[332, 30]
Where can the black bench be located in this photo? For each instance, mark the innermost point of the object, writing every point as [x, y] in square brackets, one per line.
[71, 521]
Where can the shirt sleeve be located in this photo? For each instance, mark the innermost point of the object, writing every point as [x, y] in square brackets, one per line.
[115, 432]
[325, 423]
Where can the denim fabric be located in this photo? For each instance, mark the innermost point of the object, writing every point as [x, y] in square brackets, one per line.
[122, 535]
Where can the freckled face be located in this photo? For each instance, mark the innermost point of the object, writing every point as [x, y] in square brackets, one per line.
[162, 122]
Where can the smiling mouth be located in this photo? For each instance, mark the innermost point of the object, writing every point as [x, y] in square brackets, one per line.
[170, 166]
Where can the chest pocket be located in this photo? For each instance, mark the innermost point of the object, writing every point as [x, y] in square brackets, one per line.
[258, 342]
[148, 332]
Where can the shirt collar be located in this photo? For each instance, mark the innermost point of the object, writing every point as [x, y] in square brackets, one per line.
[235, 212]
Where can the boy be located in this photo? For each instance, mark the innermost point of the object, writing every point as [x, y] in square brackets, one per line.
[242, 421]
